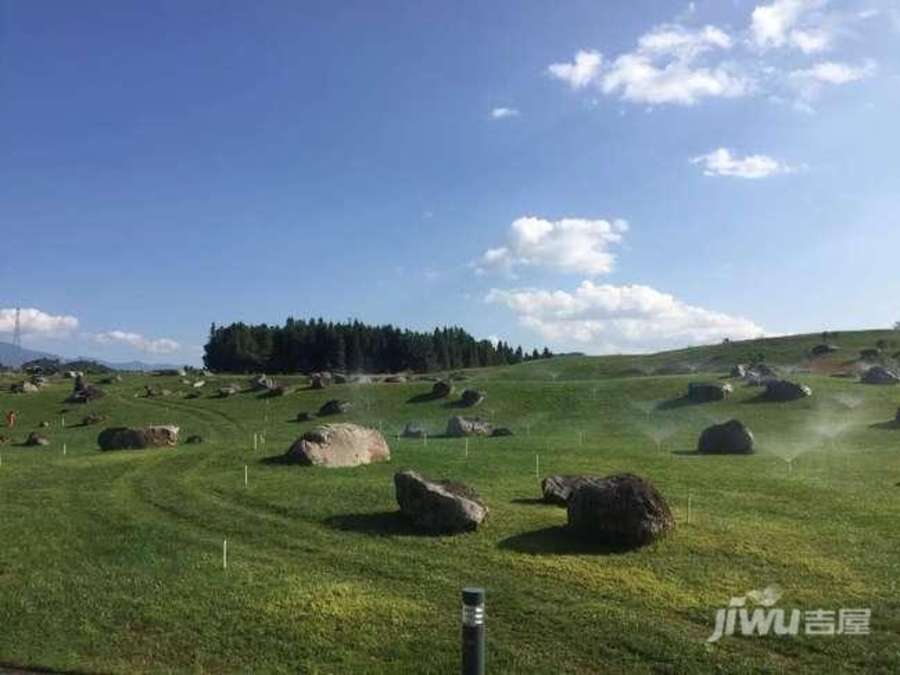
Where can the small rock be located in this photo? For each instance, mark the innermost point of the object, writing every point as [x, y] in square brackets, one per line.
[704, 392]
[125, 438]
[442, 389]
[413, 430]
[305, 417]
[193, 440]
[502, 431]
[879, 375]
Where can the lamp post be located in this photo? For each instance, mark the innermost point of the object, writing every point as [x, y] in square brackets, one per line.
[473, 631]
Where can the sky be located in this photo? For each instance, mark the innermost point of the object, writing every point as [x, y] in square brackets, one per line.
[603, 177]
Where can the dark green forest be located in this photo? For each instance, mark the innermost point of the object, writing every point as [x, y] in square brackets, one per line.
[302, 346]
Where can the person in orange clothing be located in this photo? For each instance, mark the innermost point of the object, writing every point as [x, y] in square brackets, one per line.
[11, 419]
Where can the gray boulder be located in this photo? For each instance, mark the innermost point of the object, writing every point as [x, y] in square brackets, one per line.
[442, 389]
[879, 375]
[557, 489]
[622, 510]
[785, 390]
[704, 392]
[730, 438]
[35, 439]
[339, 445]
[471, 397]
[229, 390]
[319, 380]
[413, 430]
[468, 426]
[438, 506]
[261, 383]
[335, 407]
[126, 438]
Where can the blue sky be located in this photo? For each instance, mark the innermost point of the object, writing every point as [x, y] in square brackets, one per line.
[599, 176]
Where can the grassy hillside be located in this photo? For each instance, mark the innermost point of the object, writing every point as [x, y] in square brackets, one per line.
[111, 562]
[793, 351]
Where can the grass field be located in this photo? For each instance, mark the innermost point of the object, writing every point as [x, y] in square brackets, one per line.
[112, 562]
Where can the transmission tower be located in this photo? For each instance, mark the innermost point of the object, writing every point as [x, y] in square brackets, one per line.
[17, 330]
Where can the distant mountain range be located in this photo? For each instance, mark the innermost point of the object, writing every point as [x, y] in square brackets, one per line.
[14, 357]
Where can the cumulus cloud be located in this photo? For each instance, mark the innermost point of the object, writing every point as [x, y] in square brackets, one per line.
[501, 113]
[778, 25]
[676, 64]
[137, 341]
[665, 68]
[574, 245]
[830, 72]
[581, 72]
[35, 322]
[619, 318]
[721, 162]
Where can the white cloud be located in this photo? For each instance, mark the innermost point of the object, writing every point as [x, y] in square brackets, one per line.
[617, 318]
[579, 73]
[721, 162]
[777, 25]
[662, 69]
[137, 341]
[35, 322]
[574, 245]
[830, 72]
[500, 113]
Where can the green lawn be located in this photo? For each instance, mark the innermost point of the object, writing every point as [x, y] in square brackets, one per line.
[112, 562]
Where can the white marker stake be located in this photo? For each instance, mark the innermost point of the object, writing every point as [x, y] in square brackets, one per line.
[254, 442]
[690, 500]
[380, 428]
[62, 421]
[64, 448]
[245, 475]
[425, 439]
[224, 554]
[467, 447]
[537, 466]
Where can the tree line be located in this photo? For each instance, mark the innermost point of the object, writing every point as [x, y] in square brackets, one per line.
[312, 345]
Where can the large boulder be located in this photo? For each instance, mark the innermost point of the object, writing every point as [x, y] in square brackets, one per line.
[335, 407]
[622, 510]
[703, 392]
[138, 438]
[785, 390]
[438, 506]
[730, 438]
[24, 388]
[557, 489]
[471, 397]
[468, 426]
[35, 439]
[442, 389]
[339, 445]
[879, 375]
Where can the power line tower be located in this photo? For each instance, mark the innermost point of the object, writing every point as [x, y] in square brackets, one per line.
[17, 330]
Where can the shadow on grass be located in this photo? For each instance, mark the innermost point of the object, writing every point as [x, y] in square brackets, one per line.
[680, 402]
[424, 398]
[530, 501]
[892, 425]
[381, 524]
[556, 541]
[281, 459]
